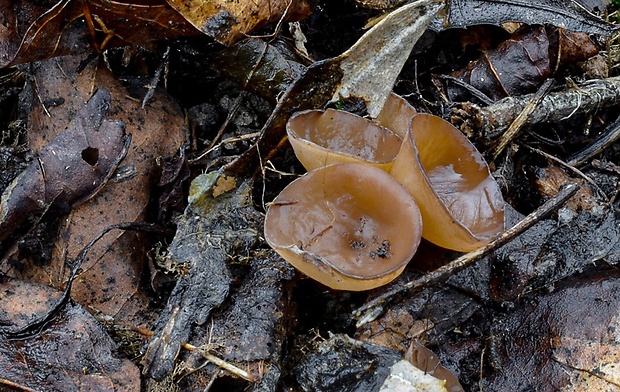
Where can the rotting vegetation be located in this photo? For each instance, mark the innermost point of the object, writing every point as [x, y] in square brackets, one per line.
[219, 310]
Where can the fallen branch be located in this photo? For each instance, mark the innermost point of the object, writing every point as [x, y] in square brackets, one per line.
[591, 96]
[374, 308]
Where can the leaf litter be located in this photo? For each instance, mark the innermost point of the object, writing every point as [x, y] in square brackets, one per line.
[213, 310]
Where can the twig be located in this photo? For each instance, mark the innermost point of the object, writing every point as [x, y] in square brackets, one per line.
[569, 167]
[610, 135]
[591, 96]
[593, 373]
[209, 357]
[516, 125]
[372, 309]
[14, 385]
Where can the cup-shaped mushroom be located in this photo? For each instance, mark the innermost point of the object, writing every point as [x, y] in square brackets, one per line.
[396, 115]
[324, 137]
[349, 226]
[461, 204]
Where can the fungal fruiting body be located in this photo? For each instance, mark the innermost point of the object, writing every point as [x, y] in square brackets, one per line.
[321, 138]
[349, 226]
[352, 226]
[325, 137]
[461, 204]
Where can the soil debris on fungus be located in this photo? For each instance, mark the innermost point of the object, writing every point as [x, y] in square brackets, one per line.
[165, 172]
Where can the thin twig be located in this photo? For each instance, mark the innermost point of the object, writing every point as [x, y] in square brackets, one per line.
[516, 125]
[209, 357]
[609, 136]
[372, 309]
[14, 385]
[569, 167]
[593, 373]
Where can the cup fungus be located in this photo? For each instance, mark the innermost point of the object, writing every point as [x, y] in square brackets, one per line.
[461, 204]
[324, 137]
[352, 226]
[349, 226]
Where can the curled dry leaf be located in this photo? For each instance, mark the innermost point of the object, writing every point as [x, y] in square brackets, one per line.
[74, 342]
[229, 21]
[32, 31]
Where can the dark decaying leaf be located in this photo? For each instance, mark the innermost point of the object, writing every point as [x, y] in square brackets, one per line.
[568, 14]
[71, 353]
[219, 221]
[229, 21]
[258, 66]
[174, 174]
[69, 169]
[109, 280]
[35, 31]
[342, 364]
[550, 252]
[522, 63]
[567, 340]
[250, 331]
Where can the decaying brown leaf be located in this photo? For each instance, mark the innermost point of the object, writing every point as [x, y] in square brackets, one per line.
[71, 353]
[109, 278]
[229, 21]
[69, 169]
[34, 31]
[576, 15]
[522, 63]
[568, 340]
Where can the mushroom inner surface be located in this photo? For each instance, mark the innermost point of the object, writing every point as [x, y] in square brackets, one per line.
[459, 175]
[355, 218]
[346, 133]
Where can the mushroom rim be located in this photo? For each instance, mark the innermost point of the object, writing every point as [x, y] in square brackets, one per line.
[457, 133]
[320, 262]
[328, 151]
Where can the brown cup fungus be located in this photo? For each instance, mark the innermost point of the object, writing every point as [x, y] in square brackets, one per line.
[349, 226]
[325, 137]
[461, 204]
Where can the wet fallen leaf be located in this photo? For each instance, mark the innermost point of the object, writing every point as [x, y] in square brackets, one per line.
[68, 170]
[342, 364]
[258, 66]
[70, 353]
[228, 21]
[33, 31]
[212, 228]
[574, 15]
[568, 340]
[522, 63]
[109, 280]
[551, 251]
